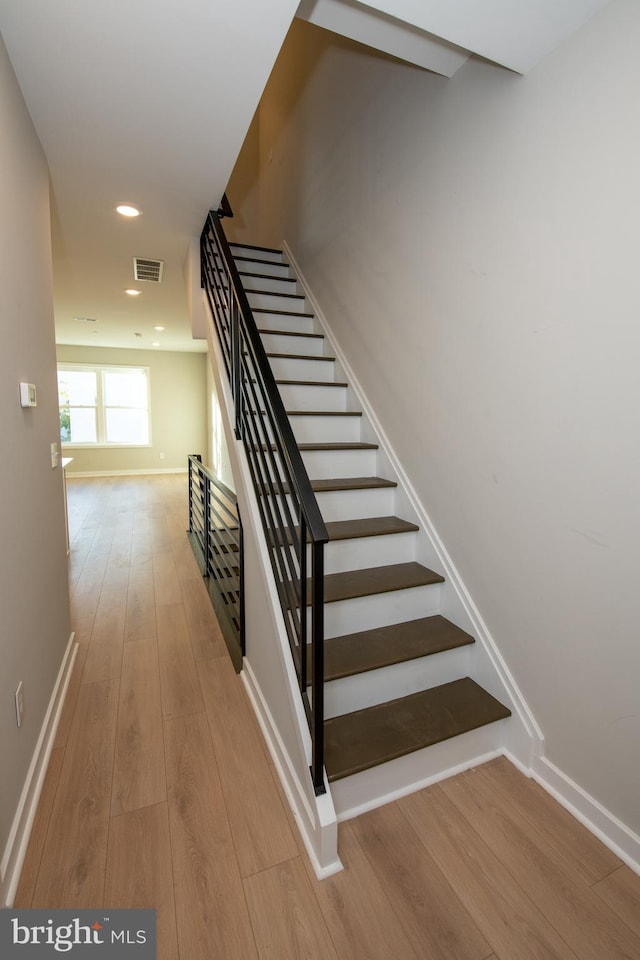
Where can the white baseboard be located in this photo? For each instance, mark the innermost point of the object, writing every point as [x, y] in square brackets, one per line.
[71, 474]
[16, 847]
[323, 817]
[601, 822]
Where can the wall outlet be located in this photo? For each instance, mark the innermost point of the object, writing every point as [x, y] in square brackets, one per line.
[19, 704]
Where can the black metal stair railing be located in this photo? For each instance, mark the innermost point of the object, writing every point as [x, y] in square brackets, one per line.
[215, 534]
[294, 529]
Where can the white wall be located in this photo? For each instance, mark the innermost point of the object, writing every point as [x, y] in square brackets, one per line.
[178, 394]
[217, 458]
[474, 242]
[34, 602]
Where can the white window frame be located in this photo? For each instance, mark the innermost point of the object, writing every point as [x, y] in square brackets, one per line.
[101, 429]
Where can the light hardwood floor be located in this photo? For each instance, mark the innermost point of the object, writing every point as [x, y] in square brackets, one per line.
[161, 793]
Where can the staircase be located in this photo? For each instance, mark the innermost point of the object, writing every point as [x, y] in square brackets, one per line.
[396, 671]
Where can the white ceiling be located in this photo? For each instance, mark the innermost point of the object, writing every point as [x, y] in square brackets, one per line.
[148, 101]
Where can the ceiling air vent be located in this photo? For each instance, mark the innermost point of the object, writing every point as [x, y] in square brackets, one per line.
[148, 269]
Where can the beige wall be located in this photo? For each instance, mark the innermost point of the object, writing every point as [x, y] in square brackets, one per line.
[34, 604]
[474, 243]
[178, 384]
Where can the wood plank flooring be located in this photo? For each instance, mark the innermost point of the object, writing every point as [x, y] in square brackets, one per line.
[160, 793]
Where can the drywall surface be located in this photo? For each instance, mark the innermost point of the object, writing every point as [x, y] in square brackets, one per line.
[473, 242]
[34, 598]
[218, 458]
[178, 387]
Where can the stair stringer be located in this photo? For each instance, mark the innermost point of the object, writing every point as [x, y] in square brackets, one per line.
[521, 738]
[268, 672]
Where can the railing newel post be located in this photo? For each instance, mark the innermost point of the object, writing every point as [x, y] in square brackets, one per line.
[317, 655]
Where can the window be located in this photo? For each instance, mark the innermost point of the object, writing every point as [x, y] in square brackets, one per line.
[103, 405]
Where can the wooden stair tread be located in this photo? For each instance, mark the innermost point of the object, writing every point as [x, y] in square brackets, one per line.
[318, 413]
[281, 313]
[368, 527]
[277, 293]
[252, 246]
[266, 276]
[291, 333]
[373, 580]
[351, 483]
[299, 356]
[348, 483]
[356, 653]
[311, 383]
[363, 739]
[271, 263]
[346, 445]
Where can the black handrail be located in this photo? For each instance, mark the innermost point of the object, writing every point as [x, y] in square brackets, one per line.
[290, 515]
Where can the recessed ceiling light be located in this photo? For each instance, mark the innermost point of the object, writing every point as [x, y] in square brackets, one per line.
[133, 293]
[128, 210]
[158, 328]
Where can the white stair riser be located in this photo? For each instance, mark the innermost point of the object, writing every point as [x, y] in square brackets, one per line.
[271, 269]
[380, 610]
[286, 368]
[330, 464]
[274, 256]
[303, 397]
[283, 321]
[326, 429]
[271, 301]
[371, 788]
[281, 343]
[356, 504]
[390, 683]
[272, 284]
[334, 505]
[360, 552]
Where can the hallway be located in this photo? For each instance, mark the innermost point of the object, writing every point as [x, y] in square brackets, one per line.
[161, 793]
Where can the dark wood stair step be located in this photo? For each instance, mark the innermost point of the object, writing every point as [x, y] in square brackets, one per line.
[351, 483]
[348, 483]
[251, 246]
[271, 263]
[374, 580]
[277, 293]
[266, 276]
[363, 739]
[368, 527]
[356, 653]
[347, 445]
[281, 313]
[291, 333]
[300, 356]
[311, 383]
